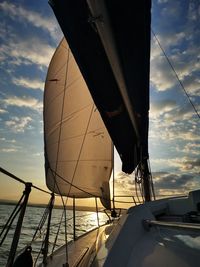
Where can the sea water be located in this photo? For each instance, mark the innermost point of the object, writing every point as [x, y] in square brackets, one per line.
[85, 221]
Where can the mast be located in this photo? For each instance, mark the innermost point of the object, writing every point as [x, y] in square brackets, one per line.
[146, 181]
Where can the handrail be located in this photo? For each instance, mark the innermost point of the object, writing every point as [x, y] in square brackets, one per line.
[184, 226]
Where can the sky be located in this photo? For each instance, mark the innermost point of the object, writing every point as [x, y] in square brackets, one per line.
[29, 35]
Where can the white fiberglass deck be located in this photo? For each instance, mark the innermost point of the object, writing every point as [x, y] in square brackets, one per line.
[133, 244]
[165, 240]
[78, 251]
[163, 247]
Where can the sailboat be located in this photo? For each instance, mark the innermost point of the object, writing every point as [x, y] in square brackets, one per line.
[97, 95]
[101, 57]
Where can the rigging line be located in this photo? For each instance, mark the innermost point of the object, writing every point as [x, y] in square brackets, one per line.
[151, 180]
[65, 221]
[80, 189]
[82, 160]
[71, 184]
[81, 148]
[62, 112]
[68, 118]
[113, 167]
[42, 221]
[61, 85]
[176, 74]
[39, 228]
[18, 227]
[97, 212]
[10, 220]
[57, 233]
[76, 136]
[21, 181]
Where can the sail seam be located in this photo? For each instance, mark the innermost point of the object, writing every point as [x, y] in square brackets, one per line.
[72, 137]
[81, 149]
[60, 129]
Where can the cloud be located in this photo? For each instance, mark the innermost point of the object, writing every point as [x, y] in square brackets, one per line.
[161, 76]
[180, 42]
[170, 122]
[162, 1]
[18, 125]
[192, 148]
[8, 150]
[7, 140]
[192, 84]
[183, 164]
[194, 11]
[28, 102]
[173, 184]
[163, 131]
[191, 164]
[29, 51]
[159, 108]
[186, 64]
[3, 111]
[29, 83]
[38, 20]
[125, 186]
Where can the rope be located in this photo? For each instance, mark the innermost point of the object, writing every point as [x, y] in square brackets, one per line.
[151, 180]
[81, 149]
[18, 226]
[11, 219]
[113, 200]
[176, 74]
[56, 238]
[97, 212]
[74, 219]
[21, 181]
[64, 210]
[89, 194]
[39, 228]
[65, 216]
[46, 242]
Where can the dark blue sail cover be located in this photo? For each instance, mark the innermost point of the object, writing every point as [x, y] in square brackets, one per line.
[130, 22]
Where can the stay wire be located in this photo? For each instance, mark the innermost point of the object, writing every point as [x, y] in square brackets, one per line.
[11, 219]
[39, 228]
[42, 222]
[59, 138]
[176, 74]
[54, 174]
[89, 194]
[57, 233]
[22, 181]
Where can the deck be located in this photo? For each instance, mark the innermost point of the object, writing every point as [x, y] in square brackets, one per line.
[79, 251]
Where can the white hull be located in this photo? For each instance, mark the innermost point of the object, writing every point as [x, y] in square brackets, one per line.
[132, 244]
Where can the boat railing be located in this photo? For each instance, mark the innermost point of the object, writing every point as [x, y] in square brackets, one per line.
[19, 213]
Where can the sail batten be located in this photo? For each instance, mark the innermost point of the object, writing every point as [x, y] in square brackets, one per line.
[78, 148]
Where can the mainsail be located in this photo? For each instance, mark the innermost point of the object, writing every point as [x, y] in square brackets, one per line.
[78, 149]
[110, 41]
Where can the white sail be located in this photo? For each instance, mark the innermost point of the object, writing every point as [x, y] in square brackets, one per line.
[78, 149]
